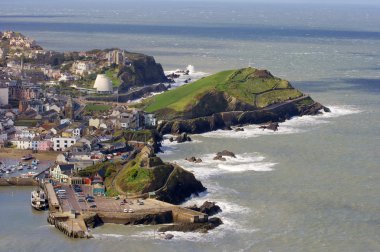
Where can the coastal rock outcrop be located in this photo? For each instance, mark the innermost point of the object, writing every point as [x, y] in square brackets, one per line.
[209, 208]
[270, 126]
[220, 158]
[226, 153]
[194, 160]
[299, 107]
[222, 154]
[147, 173]
[180, 185]
[193, 227]
[143, 70]
[183, 138]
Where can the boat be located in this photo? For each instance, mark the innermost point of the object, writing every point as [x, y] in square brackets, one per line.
[28, 167]
[35, 162]
[34, 167]
[38, 200]
[20, 168]
[27, 157]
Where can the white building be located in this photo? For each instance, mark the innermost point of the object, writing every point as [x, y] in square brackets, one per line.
[103, 84]
[62, 143]
[83, 67]
[4, 94]
[25, 134]
[23, 144]
[150, 120]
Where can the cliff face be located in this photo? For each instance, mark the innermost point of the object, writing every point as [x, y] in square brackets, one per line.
[143, 71]
[180, 185]
[278, 113]
[148, 173]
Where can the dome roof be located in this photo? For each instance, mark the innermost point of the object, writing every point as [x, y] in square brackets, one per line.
[103, 84]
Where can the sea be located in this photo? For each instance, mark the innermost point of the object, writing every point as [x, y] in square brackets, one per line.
[311, 186]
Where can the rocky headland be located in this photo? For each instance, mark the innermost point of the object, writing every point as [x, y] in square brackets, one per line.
[230, 98]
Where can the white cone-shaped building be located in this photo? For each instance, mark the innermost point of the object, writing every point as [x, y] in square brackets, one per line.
[103, 84]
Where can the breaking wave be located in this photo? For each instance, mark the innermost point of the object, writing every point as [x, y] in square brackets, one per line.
[295, 125]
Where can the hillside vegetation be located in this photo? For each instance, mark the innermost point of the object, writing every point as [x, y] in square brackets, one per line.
[244, 89]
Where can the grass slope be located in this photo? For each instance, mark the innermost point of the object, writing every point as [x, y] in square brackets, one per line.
[247, 85]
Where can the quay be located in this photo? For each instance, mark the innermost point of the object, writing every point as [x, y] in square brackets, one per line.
[74, 216]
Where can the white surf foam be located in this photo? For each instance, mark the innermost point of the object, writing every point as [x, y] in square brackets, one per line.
[183, 79]
[295, 125]
[108, 236]
[242, 163]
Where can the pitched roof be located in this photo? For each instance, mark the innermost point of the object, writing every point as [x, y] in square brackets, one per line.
[66, 167]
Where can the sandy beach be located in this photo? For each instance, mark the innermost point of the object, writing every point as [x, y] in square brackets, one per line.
[7, 153]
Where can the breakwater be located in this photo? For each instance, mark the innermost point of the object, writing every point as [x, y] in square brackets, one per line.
[18, 181]
[75, 222]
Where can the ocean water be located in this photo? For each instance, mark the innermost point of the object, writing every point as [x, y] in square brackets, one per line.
[311, 186]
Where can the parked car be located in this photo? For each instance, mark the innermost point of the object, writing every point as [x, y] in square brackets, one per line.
[125, 210]
[93, 206]
[80, 200]
[131, 210]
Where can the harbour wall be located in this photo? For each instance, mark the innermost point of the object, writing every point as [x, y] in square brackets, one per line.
[18, 181]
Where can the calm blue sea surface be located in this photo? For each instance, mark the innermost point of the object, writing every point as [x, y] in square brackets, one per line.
[311, 186]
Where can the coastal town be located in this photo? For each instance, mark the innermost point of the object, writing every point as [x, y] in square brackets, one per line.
[86, 127]
[38, 114]
[52, 107]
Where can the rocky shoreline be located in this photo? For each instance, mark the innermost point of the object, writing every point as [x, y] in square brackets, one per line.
[225, 120]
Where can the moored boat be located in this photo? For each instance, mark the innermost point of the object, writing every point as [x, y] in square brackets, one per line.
[27, 157]
[35, 162]
[38, 200]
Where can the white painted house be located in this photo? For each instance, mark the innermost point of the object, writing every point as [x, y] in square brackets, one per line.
[62, 143]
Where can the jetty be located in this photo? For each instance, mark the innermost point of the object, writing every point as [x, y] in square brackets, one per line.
[74, 216]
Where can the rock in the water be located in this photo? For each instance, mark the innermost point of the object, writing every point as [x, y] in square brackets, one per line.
[191, 159]
[171, 139]
[226, 153]
[183, 138]
[271, 126]
[168, 236]
[227, 128]
[209, 208]
[239, 129]
[194, 160]
[220, 158]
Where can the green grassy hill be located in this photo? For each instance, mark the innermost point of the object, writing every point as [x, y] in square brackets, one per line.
[234, 89]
